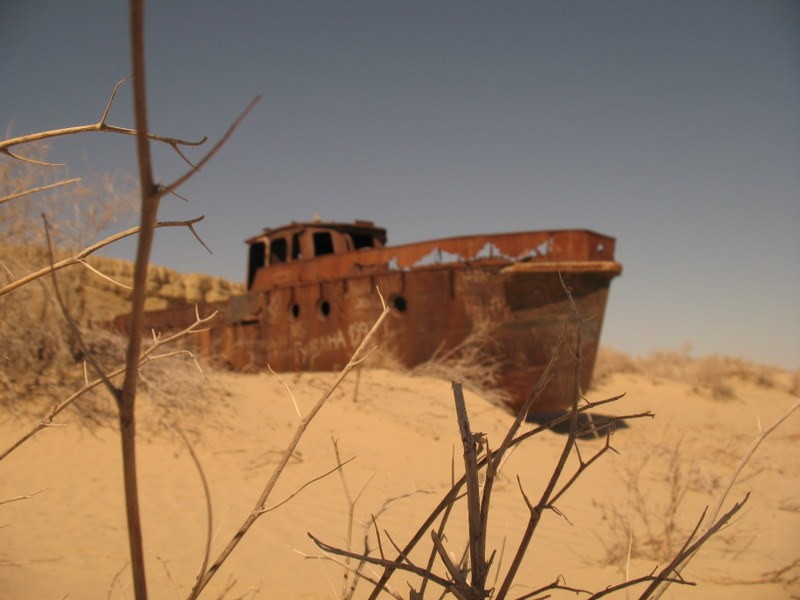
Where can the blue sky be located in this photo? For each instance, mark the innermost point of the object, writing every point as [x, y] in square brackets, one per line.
[673, 126]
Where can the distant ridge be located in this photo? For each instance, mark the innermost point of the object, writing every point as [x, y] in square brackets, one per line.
[102, 299]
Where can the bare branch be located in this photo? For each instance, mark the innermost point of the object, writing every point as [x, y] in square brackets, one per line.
[477, 537]
[100, 126]
[453, 494]
[73, 326]
[32, 161]
[403, 566]
[111, 98]
[359, 574]
[104, 276]
[36, 190]
[288, 389]
[338, 467]
[168, 189]
[25, 497]
[749, 454]
[209, 514]
[555, 585]
[126, 400]
[454, 571]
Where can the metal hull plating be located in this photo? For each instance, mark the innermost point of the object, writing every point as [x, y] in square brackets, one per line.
[311, 315]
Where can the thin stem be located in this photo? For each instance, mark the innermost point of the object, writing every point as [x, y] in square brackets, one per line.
[35, 190]
[149, 209]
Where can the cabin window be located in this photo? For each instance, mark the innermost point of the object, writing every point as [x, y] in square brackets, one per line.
[362, 240]
[277, 251]
[297, 253]
[323, 243]
[258, 252]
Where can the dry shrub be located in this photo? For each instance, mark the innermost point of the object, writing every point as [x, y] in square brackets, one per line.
[41, 360]
[176, 392]
[650, 513]
[77, 213]
[386, 356]
[471, 362]
[36, 342]
[609, 362]
[713, 375]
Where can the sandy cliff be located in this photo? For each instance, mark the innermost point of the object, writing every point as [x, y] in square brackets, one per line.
[164, 287]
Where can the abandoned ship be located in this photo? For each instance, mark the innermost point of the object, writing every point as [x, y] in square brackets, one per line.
[312, 297]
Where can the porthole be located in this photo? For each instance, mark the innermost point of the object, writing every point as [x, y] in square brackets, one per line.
[399, 303]
[324, 308]
[295, 310]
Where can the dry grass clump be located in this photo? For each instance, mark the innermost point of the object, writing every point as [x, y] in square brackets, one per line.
[51, 366]
[77, 212]
[38, 349]
[41, 359]
[712, 375]
[470, 362]
[177, 392]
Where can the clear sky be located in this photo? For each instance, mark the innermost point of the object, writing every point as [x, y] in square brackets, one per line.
[672, 125]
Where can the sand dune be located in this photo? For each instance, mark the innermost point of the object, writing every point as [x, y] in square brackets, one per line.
[70, 539]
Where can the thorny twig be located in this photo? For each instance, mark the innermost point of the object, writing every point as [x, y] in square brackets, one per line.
[100, 126]
[402, 564]
[475, 512]
[454, 493]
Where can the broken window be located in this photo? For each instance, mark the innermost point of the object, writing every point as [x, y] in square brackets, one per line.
[362, 240]
[258, 257]
[277, 251]
[297, 254]
[323, 243]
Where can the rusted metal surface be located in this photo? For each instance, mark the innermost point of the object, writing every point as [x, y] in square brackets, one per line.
[312, 298]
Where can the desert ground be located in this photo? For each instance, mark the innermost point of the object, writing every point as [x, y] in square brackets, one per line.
[68, 539]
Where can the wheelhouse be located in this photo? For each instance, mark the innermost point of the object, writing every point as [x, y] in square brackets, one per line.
[306, 241]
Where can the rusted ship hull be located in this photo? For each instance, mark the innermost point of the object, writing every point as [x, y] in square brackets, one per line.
[312, 315]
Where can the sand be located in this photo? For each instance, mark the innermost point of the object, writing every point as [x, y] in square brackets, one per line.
[70, 541]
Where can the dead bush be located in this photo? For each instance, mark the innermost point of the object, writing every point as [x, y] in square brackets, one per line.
[649, 522]
[470, 362]
[39, 352]
[609, 362]
[714, 375]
